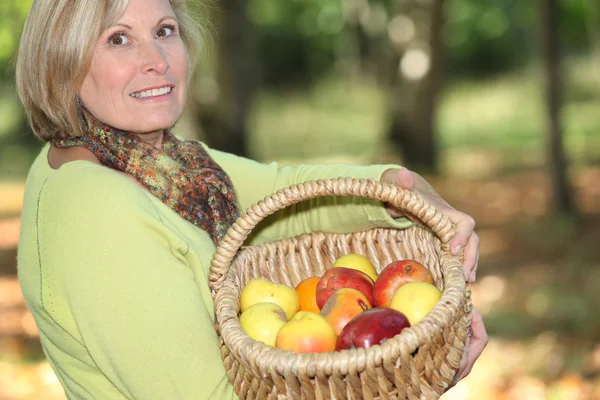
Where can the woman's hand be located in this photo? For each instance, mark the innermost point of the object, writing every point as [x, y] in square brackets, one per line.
[476, 341]
[465, 238]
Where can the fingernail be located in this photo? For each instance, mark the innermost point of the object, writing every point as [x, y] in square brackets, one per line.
[457, 249]
[473, 276]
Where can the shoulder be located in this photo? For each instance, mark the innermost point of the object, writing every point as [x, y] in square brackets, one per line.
[85, 189]
[57, 157]
[84, 178]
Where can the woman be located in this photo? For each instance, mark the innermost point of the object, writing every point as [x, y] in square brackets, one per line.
[121, 218]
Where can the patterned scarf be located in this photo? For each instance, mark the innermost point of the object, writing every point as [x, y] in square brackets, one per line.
[183, 175]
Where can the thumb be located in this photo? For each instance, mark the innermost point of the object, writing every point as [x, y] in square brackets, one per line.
[405, 179]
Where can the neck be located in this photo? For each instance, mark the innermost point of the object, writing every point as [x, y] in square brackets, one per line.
[153, 138]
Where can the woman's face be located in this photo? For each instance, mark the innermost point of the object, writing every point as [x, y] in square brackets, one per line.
[137, 78]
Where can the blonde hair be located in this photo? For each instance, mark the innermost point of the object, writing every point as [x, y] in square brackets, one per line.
[55, 53]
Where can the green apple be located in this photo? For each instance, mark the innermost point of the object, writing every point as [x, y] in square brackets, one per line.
[262, 321]
[260, 290]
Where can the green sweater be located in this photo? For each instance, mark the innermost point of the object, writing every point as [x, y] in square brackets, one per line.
[118, 282]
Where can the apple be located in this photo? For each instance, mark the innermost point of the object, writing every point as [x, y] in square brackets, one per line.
[415, 300]
[306, 332]
[395, 275]
[262, 321]
[344, 305]
[371, 327]
[357, 262]
[260, 290]
[339, 277]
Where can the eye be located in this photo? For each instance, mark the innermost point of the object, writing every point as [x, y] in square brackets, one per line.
[118, 39]
[165, 30]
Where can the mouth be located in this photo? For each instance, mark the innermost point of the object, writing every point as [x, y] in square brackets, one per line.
[155, 92]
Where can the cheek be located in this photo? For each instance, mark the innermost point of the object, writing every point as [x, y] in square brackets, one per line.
[105, 83]
[89, 89]
[180, 60]
[181, 68]
[93, 97]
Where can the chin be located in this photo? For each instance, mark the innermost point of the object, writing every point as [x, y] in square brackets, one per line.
[153, 125]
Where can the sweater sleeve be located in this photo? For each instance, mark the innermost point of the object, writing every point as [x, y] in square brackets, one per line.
[121, 282]
[254, 181]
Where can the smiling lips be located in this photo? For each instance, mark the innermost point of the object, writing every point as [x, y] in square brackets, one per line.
[152, 92]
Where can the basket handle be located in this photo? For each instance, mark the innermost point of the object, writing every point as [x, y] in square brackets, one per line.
[403, 199]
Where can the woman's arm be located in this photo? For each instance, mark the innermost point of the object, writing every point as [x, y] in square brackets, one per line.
[254, 181]
[127, 287]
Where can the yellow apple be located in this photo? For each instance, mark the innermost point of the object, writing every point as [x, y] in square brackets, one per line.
[307, 332]
[260, 290]
[262, 321]
[358, 262]
[415, 300]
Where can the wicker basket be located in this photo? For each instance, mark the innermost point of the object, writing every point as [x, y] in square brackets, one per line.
[419, 363]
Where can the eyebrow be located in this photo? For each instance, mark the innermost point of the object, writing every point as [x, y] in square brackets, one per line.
[158, 23]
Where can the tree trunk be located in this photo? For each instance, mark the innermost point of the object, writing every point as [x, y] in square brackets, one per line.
[562, 202]
[415, 102]
[237, 75]
[593, 27]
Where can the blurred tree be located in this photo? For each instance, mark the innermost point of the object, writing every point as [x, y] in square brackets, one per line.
[225, 125]
[481, 37]
[18, 146]
[416, 35]
[561, 192]
[593, 28]
[298, 41]
[280, 46]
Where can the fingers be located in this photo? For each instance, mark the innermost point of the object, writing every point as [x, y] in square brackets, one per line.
[463, 363]
[471, 258]
[405, 179]
[389, 176]
[465, 239]
[465, 225]
[400, 177]
[479, 339]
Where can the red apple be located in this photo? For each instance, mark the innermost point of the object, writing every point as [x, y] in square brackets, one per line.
[371, 327]
[395, 275]
[344, 305]
[340, 277]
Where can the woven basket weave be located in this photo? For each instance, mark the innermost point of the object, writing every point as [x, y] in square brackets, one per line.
[419, 363]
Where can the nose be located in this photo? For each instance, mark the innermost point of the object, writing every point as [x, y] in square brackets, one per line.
[154, 60]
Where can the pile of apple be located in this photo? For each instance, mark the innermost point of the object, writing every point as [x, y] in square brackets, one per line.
[355, 306]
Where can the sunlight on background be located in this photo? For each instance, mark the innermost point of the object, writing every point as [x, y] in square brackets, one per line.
[415, 64]
[401, 30]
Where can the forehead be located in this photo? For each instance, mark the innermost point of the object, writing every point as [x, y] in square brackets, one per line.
[140, 10]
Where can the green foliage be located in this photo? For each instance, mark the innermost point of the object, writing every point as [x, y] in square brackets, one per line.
[499, 35]
[297, 39]
[16, 145]
[300, 41]
[12, 16]
[489, 37]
